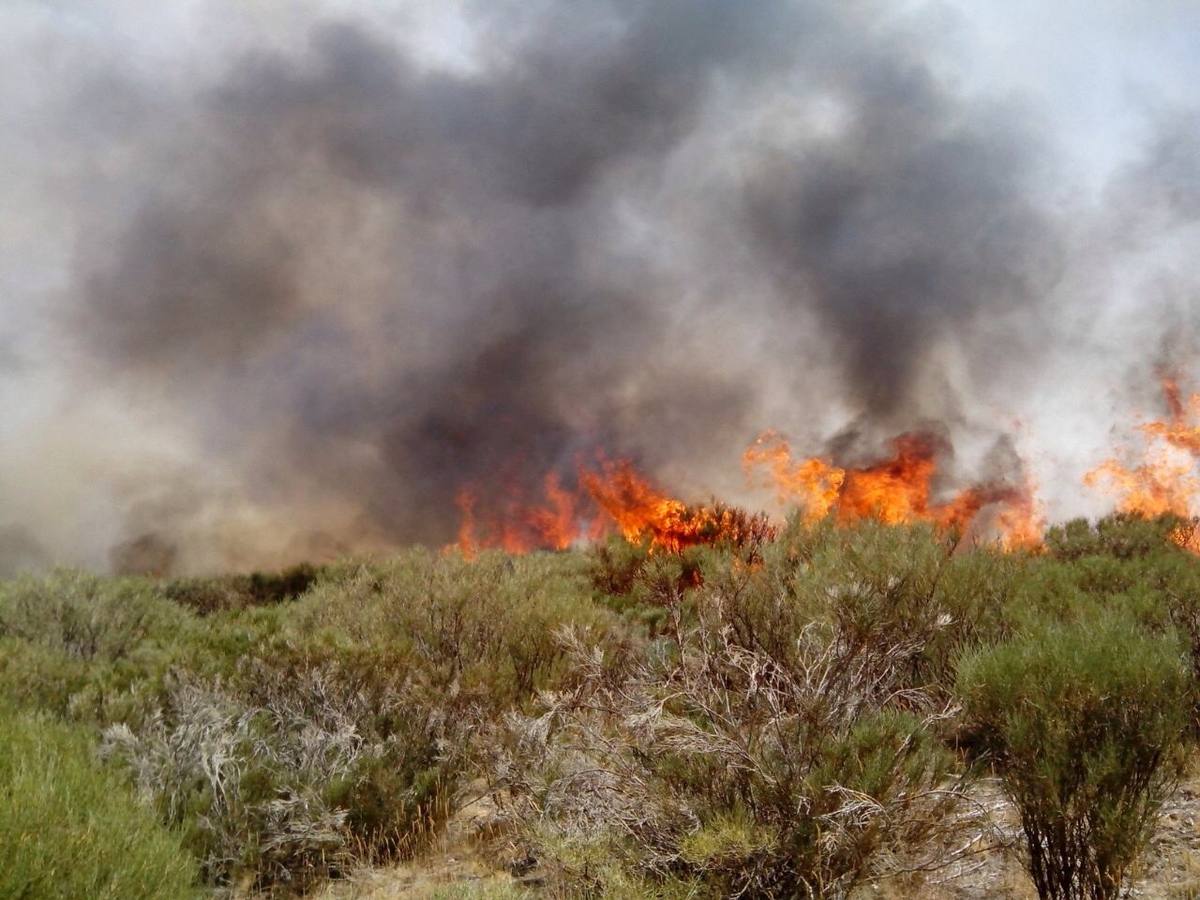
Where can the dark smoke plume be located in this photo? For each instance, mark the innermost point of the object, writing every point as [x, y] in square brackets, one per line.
[355, 281]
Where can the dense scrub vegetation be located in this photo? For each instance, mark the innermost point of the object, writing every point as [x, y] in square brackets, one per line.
[795, 716]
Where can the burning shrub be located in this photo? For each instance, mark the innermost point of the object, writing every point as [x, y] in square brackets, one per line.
[897, 489]
[1085, 726]
[609, 495]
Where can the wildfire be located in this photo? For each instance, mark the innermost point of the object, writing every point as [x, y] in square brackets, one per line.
[896, 490]
[813, 483]
[1177, 430]
[515, 525]
[609, 497]
[1165, 481]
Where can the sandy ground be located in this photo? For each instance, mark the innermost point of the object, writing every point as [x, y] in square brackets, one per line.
[1169, 870]
[454, 869]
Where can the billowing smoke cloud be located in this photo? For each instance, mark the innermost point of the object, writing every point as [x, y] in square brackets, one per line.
[348, 281]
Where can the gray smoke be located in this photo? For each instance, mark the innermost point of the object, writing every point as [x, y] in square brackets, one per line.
[349, 281]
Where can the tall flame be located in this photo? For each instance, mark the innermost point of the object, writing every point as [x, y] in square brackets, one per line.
[516, 525]
[813, 483]
[1165, 480]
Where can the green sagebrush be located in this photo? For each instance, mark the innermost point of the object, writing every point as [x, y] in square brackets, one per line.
[1085, 725]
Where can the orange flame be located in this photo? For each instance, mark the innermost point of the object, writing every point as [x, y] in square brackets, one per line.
[1165, 481]
[1020, 521]
[896, 490]
[556, 523]
[1177, 431]
[612, 496]
[814, 483]
[467, 542]
[640, 511]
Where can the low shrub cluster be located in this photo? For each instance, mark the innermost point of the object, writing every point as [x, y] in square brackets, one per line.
[1085, 726]
[779, 737]
[727, 768]
[798, 726]
[792, 715]
[232, 592]
[284, 742]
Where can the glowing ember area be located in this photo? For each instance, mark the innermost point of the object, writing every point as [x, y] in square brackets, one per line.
[1187, 536]
[896, 490]
[611, 497]
[1165, 480]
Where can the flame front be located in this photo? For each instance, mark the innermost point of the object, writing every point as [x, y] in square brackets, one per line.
[1164, 481]
[896, 490]
[610, 497]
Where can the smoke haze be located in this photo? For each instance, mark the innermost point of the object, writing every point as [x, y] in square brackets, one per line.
[279, 288]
